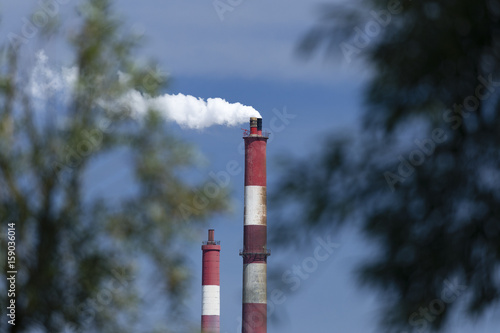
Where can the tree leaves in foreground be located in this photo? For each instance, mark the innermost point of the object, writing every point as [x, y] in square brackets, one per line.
[87, 263]
[421, 178]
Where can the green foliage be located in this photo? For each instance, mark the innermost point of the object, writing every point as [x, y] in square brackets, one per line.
[80, 257]
[431, 205]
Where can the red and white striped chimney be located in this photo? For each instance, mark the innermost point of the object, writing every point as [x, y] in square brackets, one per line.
[255, 232]
[210, 308]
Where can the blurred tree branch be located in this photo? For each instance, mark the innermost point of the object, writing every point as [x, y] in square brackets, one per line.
[78, 255]
[421, 179]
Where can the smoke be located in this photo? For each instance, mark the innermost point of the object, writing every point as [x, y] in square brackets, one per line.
[191, 112]
[46, 82]
[187, 111]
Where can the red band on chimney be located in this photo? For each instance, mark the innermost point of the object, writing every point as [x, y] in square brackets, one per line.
[255, 161]
[254, 318]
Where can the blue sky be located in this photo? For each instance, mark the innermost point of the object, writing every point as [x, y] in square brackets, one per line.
[248, 57]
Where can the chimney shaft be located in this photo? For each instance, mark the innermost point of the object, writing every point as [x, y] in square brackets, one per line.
[210, 307]
[255, 251]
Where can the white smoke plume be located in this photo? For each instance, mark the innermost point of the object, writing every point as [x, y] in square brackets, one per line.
[187, 111]
[46, 82]
[191, 112]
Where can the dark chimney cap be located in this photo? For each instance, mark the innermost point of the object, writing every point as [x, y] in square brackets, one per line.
[259, 124]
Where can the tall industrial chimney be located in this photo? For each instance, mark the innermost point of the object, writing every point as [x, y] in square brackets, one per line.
[254, 251]
[210, 307]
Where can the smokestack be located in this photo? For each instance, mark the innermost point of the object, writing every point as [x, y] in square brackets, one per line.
[255, 251]
[210, 307]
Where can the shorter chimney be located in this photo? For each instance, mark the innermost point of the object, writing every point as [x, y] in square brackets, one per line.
[210, 284]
